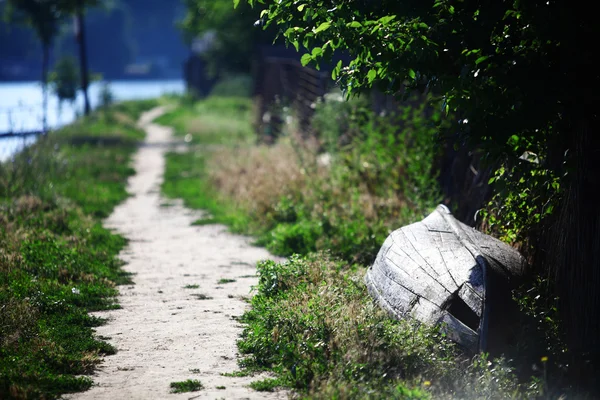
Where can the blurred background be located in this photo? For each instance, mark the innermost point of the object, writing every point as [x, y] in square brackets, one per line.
[134, 50]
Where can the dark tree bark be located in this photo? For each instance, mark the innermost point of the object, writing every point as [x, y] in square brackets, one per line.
[83, 64]
[574, 255]
[45, 63]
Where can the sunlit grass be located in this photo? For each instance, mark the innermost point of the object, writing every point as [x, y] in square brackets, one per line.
[213, 121]
[57, 262]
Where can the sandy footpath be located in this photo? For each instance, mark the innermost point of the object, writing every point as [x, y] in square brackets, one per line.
[165, 332]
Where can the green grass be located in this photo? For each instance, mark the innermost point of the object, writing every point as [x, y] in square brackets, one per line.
[265, 385]
[57, 262]
[313, 324]
[191, 385]
[237, 374]
[225, 280]
[195, 286]
[184, 178]
[217, 121]
[279, 194]
[204, 221]
[214, 121]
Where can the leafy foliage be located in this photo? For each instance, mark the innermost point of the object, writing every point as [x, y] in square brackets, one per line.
[478, 61]
[229, 40]
[513, 78]
[64, 79]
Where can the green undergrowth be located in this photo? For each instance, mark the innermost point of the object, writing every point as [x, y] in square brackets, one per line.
[344, 193]
[57, 262]
[314, 325]
[342, 190]
[214, 121]
[185, 178]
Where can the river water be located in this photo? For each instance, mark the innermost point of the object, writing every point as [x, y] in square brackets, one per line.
[21, 106]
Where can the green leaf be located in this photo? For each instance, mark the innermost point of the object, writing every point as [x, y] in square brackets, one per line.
[296, 44]
[412, 73]
[481, 59]
[336, 71]
[371, 75]
[263, 12]
[386, 20]
[301, 7]
[236, 3]
[316, 52]
[306, 58]
[354, 24]
[323, 27]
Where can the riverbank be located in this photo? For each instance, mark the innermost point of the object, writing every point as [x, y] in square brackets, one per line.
[57, 261]
[21, 106]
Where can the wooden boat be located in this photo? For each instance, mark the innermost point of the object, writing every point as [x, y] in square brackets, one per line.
[441, 271]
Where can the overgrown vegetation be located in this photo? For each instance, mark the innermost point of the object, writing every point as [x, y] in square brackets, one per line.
[477, 61]
[314, 324]
[293, 196]
[341, 190]
[57, 262]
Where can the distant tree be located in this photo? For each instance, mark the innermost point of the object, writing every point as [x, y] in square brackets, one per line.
[235, 36]
[106, 97]
[110, 37]
[64, 80]
[80, 35]
[45, 18]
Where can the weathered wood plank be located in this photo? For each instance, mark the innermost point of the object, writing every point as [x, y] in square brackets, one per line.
[438, 267]
[406, 245]
[459, 332]
[471, 298]
[406, 272]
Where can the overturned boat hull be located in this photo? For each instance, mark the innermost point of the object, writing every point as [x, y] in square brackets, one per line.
[440, 271]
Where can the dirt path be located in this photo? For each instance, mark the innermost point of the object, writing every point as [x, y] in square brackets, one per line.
[165, 332]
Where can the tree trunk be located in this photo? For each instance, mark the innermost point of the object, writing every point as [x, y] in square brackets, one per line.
[83, 65]
[45, 62]
[574, 256]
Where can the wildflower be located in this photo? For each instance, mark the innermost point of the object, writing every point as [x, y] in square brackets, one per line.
[544, 359]
[427, 383]
[75, 291]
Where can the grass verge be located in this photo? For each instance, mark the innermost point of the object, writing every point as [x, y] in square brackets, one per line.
[57, 262]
